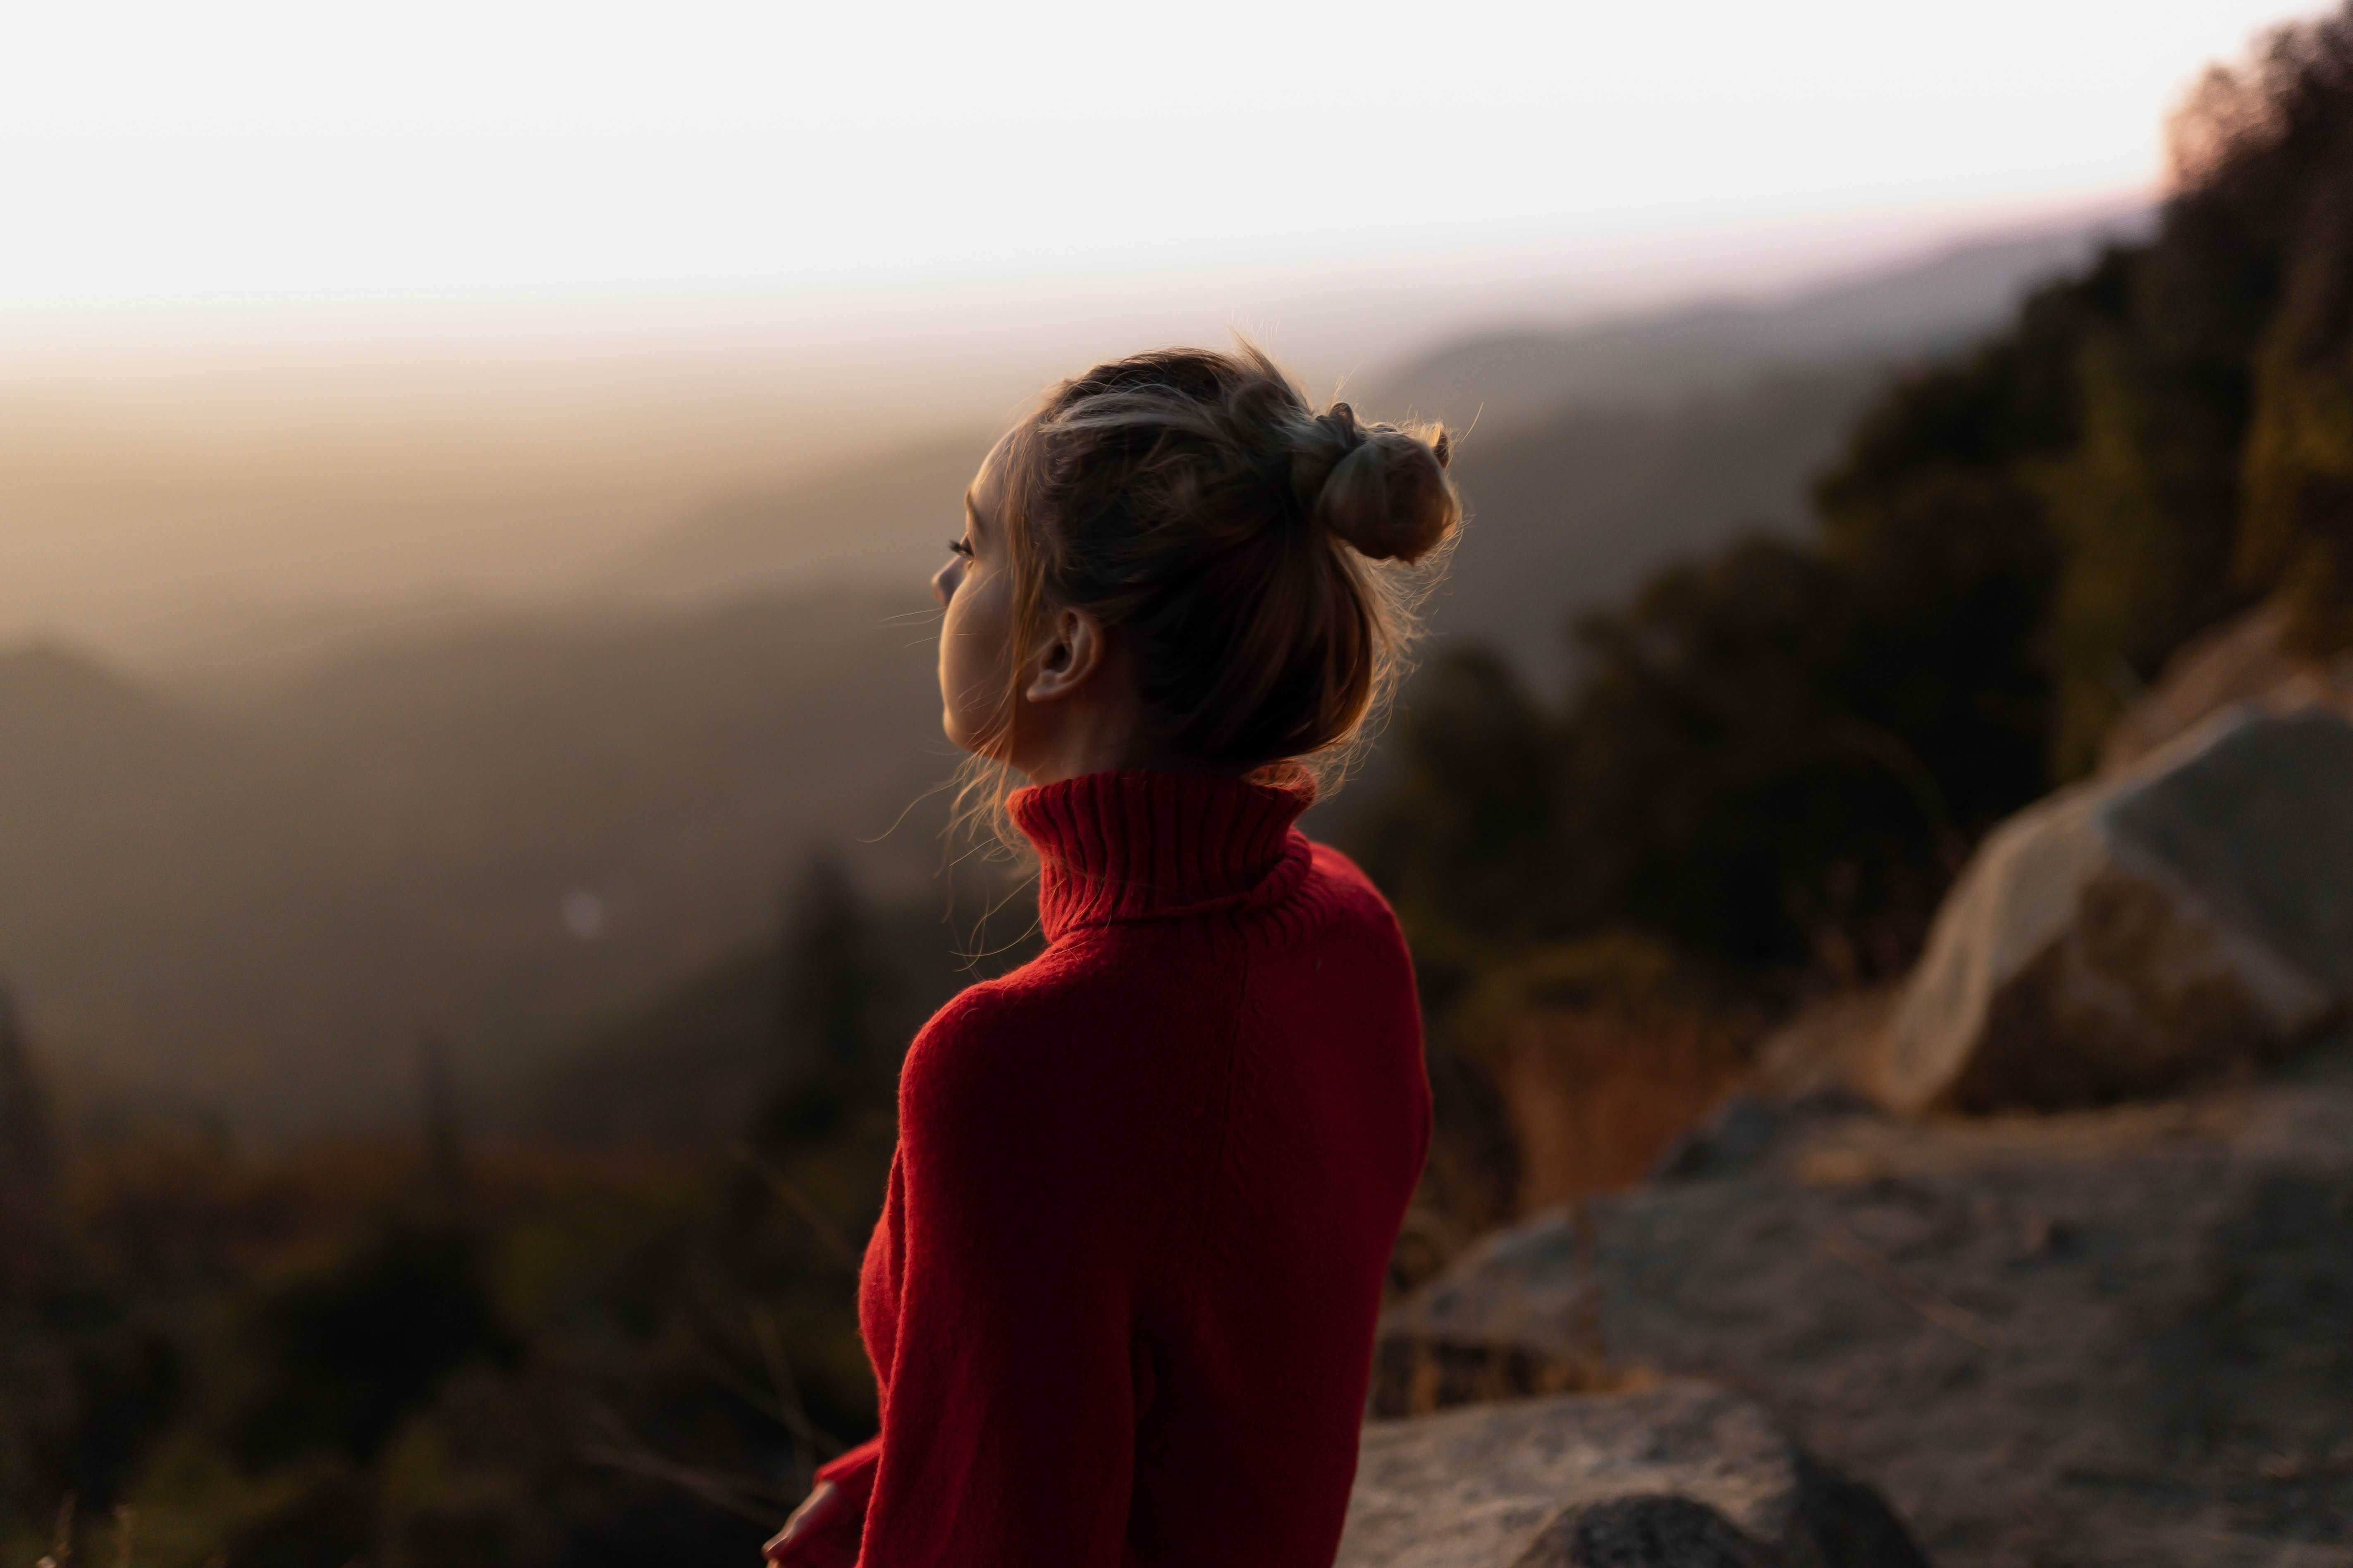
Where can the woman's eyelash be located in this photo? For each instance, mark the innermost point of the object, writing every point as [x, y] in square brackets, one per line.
[959, 547]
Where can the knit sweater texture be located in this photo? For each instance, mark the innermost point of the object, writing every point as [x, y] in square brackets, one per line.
[1120, 1299]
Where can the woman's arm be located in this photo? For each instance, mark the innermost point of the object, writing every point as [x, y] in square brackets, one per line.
[1008, 1432]
[824, 1531]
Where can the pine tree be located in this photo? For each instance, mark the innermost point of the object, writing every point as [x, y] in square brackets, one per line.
[829, 977]
[444, 1129]
[28, 1154]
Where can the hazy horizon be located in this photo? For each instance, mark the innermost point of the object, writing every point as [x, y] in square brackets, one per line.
[316, 474]
[315, 320]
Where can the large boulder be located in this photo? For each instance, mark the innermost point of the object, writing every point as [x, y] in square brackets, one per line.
[2192, 914]
[2242, 660]
[1685, 1474]
[2110, 1338]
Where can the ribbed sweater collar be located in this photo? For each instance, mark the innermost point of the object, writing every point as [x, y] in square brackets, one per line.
[1140, 846]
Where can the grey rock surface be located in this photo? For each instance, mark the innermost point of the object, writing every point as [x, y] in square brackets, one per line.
[2242, 660]
[2093, 1339]
[1685, 1474]
[2188, 917]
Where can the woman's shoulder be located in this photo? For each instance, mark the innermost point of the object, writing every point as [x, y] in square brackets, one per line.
[1341, 884]
[1333, 867]
[1004, 1035]
[1056, 984]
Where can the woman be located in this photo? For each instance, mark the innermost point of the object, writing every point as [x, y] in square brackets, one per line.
[1120, 1300]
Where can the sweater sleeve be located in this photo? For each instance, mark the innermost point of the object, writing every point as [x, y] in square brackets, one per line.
[1008, 1427]
[852, 1470]
[833, 1542]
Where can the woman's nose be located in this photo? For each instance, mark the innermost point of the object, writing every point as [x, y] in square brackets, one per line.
[943, 584]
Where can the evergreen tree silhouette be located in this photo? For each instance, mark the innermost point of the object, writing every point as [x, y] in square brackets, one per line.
[444, 1129]
[830, 982]
[833, 1001]
[28, 1154]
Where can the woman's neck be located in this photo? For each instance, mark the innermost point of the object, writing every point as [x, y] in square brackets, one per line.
[1106, 739]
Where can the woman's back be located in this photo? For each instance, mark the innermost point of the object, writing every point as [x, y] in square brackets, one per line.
[1122, 1299]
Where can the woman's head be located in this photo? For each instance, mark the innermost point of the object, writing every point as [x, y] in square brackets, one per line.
[1175, 562]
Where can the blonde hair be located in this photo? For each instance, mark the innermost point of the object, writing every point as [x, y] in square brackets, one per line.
[1253, 552]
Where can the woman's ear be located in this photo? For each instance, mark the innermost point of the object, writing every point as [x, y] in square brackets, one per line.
[1072, 657]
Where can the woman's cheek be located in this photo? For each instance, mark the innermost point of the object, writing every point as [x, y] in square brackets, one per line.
[969, 662]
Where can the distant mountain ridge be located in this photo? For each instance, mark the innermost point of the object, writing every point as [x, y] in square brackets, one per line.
[1593, 454]
[1573, 512]
[47, 687]
[879, 518]
[497, 835]
[1514, 375]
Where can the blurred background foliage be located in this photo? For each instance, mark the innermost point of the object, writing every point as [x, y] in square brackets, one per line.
[600, 1347]
[1774, 756]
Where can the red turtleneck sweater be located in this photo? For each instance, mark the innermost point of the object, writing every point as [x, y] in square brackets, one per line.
[1120, 1299]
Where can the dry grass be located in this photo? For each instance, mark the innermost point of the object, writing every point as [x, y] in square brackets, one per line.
[1604, 1052]
[1418, 1377]
[1597, 1097]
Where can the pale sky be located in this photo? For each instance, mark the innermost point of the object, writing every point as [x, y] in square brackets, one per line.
[304, 301]
[163, 161]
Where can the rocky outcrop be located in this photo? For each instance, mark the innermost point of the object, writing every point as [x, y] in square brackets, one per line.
[1685, 1474]
[2190, 915]
[2112, 1339]
[2242, 660]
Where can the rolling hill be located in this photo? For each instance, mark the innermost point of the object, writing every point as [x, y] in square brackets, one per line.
[1573, 512]
[1518, 374]
[870, 518]
[1594, 454]
[496, 835]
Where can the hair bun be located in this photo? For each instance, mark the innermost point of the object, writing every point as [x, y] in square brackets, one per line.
[1380, 487]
